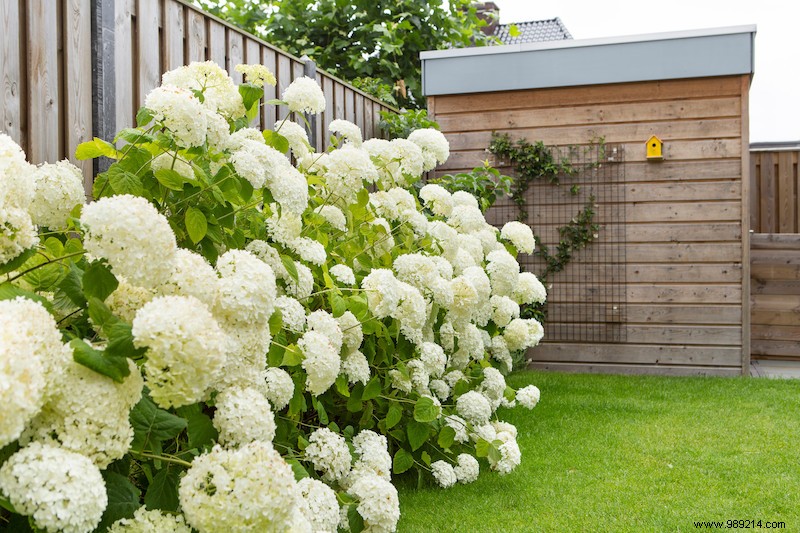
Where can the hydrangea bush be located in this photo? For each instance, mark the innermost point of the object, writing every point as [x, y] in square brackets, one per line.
[225, 340]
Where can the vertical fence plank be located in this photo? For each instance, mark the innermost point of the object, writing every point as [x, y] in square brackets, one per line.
[148, 21]
[338, 101]
[43, 84]
[195, 36]
[349, 104]
[11, 46]
[786, 201]
[123, 63]
[173, 35]
[235, 54]
[321, 134]
[376, 118]
[359, 111]
[330, 102]
[767, 193]
[269, 113]
[284, 75]
[78, 86]
[755, 187]
[216, 43]
[369, 130]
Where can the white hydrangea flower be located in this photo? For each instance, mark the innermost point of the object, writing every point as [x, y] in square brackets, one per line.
[501, 427]
[303, 287]
[467, 469]
[309, 250]
[500, 353]
[172, 161]
[186, 348]
[304, 95]
[61, 490]
[400, 381]
[246, 289]
[220, 93]
[296, 135]
[406, 160]
[267, 253]
[257, 75]
[181, 113]
[88, 413]
[412, 313]
[465, 298]
[453, 377]
[528, 396]
[510, 455]
[329, 454]
[503, 270]
[243, 416]
[459, 425]
[433, 357]
[193, 276]
[16, 175]
[447, 335]
[437, 199]
[284, 228]
[133, 236]
[145, 521]
[292, 312]
[279, 387]
[17, 233]
[474, 407]
[343, 274]
[246, 362]
[504, 310]
[485, 432]
[529, 289]
[345, 172]
[520, 235]
[418, 375]
[435, 148]
[384, 243]
[373, 454]
[352, 332]
[217, 133]
[32, 359]
[321, 361]
[378, 503]
[522, 334]
[383, 292]
[493, 386]
[356, 367]
[466, 199]
[348, 130]
[320, 505]
[440, 389]
[289, 188]
[248, 489]
[254, 160]
[323, 322]
[444, 474]
[236, 140]
[466, 218]
[58, 188]
[334, 216]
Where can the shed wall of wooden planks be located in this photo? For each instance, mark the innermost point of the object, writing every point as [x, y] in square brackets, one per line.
[46, 70]
[686, 264]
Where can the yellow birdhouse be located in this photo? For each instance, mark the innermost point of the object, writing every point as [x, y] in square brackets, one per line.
[655, 149]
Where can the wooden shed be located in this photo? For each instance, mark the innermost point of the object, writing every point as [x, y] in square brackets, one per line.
[664, 288]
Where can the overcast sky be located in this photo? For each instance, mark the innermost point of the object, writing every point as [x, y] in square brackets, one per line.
[775, 92]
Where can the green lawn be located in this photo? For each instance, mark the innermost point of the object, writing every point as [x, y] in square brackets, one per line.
[630, 453]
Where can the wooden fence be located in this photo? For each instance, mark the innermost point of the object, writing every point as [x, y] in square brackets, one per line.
[775, 253]
[52, 99]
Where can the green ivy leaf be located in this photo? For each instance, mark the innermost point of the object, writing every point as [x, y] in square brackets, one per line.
[417, 434]
[403, 460]
[115, 368]
[124, 182]
[120, 341]
[95, 148]
[250, 95]
[447, 437]
[123, 499]
[292, 356]
[426, 411]
[426, 458]
[163, 491]
[494, 451]
[98, 281]
[373, 389]
[196, 224]
[72, 285]
[299, 471]
[341, 385]
[482, 448]
[170, 179]
[144, 116]
[354, 520]
[152, 424]
[394, 415]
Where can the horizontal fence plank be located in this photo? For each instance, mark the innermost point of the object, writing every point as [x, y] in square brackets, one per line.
[650, 313]
[688, 293]
[662, 370]
[636, 354]
[609, 93]
[666, 334]
[769, 349]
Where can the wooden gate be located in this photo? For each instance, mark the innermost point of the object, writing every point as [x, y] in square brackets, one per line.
[775, 251]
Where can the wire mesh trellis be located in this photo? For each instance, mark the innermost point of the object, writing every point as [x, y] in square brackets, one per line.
[586, 300]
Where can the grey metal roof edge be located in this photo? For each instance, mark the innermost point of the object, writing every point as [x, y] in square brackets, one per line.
[564, 27]
[578, 43]
[775, 146]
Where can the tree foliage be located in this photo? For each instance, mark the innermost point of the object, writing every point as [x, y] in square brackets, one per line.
[362, 38]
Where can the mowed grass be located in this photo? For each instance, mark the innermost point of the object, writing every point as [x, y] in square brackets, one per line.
[633, 453]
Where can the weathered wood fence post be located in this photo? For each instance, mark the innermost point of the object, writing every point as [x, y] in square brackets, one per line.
[310, 70]
[103, 76]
